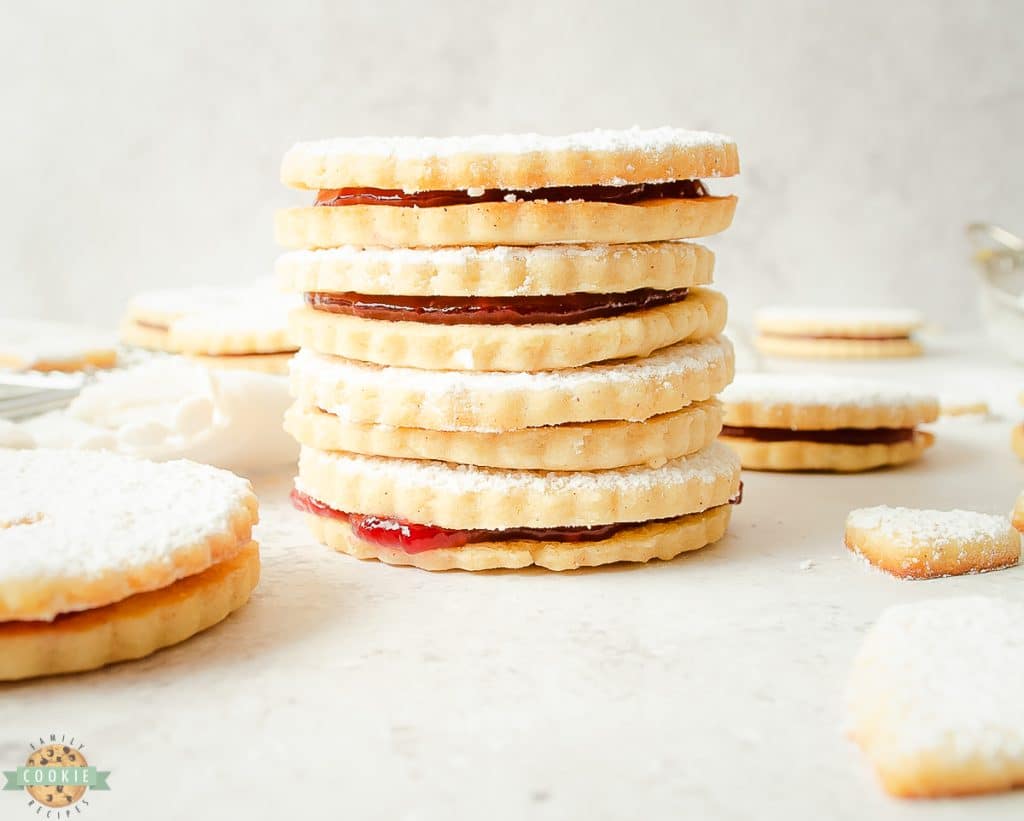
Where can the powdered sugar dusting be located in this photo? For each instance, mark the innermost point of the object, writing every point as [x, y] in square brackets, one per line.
[942, 676]
[32, 341]
[653, 141]
[941, 528]
[92, 513]
[820, 390]
[707, 466]
[896, 318]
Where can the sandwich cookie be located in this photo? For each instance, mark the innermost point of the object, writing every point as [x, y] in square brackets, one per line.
[830, 333]
[934, 697]
[440, 516]
[88, 578]
[592, 187]
[41, 345]
[928, 544]
[823, 422]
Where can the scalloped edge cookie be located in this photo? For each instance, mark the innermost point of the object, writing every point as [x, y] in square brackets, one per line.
[633, 390]
[817, 456]
[465, 497]
[510, 161]
[272, 363]
[570, 447]
[503, 223]
[510, 347]
[658, 540]
[928, 544]
[130, 628]
[799, 348]
[502, 271]
[45, 345]
[853, 322]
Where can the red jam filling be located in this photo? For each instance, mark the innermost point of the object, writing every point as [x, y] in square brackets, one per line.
[848, 337]
[484, 310]
[410, 537]
[838, 436]
[614, 194]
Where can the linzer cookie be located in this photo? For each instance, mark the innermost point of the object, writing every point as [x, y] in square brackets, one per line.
[598, 186]
[105, 558]
[829, 333]
[219, 327]
[927, 544]
[536, 385]
[821, 422]
[41, 345]
[934, 697]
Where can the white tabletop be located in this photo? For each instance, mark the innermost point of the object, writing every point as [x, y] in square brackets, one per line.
[706, 687]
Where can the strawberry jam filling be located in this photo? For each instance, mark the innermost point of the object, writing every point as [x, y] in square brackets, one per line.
[837, 436]
[484, 310]
[409, 537]
[848, 337]
[612, 194]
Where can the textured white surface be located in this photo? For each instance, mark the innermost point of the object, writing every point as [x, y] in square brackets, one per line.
[87, 513]
[943, 677]
[631, 691]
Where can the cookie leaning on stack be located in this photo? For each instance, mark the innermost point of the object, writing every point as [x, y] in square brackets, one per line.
[88, 578]
[479, 405]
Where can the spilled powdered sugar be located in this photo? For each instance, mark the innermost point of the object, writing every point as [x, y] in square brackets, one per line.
[819, 390]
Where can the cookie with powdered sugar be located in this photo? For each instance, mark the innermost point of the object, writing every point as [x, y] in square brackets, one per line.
[42, 345]
[441, 516]
[934, 697]
[928, 544]
[822, 422]
[104, 557]
[636, 185]
[837, 333]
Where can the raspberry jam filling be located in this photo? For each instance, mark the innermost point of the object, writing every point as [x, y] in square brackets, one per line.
[848, 337]
[485, 310]
[837, 436]
[614, 194]
[410, 537]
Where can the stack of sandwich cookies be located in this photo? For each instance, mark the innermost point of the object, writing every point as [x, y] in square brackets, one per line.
[218, 327]
[829, 333]
[822, 422]
[480, 407]
[88, 578]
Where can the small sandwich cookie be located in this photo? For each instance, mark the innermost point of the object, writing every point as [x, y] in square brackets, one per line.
[928, 544]
[830, 333]
[41, 345]
[224, 328]
[822, 422]
[440, 516]
[594, 187]
[88, 578]
[934, 697]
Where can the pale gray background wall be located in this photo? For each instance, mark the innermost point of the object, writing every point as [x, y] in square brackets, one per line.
[141, 140]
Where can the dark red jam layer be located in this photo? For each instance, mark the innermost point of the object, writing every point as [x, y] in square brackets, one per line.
[409, 537]
[847, 337]
[485, 310]
[615, 194]
[838, 436]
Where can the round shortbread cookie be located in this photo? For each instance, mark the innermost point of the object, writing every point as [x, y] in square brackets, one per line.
[794, 455]
[1017, 440]
[41, 345]
[466, 497]
[934, 697]
[503, 223]
[83, 529]
[575, 446]
[658, 540]
[823, 402]
[510, 161]
[130, 628]
[511, 347]
[493, 401]
[927, 544]
[858, 323]
[503, 271]
[806, 348]
[1017, 516]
